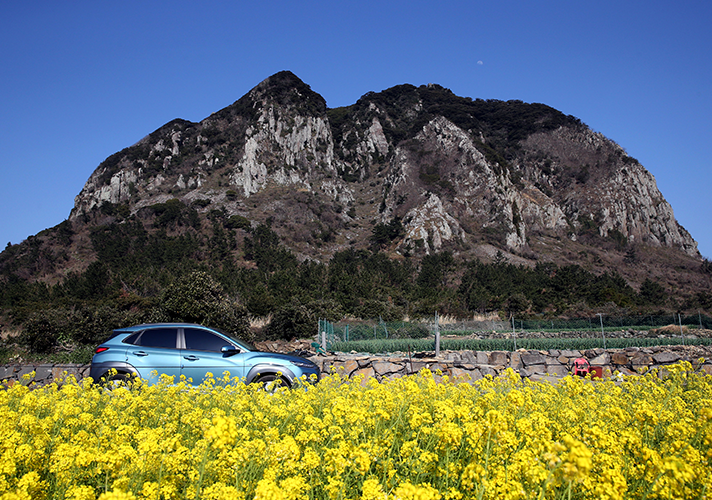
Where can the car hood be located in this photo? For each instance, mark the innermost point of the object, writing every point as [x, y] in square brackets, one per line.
[258, 356]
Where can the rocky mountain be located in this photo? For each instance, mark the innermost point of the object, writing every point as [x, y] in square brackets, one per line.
[433, 170]
[452, 169]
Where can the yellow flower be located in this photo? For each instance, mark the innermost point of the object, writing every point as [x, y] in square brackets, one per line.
[577, 460]
[292, 488]
[117, 495]
[219, 491]
[407, 491]
[372, 490]
[80, 492]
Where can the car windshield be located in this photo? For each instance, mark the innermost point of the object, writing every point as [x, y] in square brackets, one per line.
[241, 343]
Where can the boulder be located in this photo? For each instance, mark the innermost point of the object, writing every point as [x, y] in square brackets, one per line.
[663, 358]
[619, 358]
[533, 358]
[500, 358]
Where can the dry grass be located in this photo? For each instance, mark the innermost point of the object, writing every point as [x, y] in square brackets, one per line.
[7, 333]
[671, 330]
[261, 322]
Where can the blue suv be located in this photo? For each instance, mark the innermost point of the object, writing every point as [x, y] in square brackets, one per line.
[176, 349]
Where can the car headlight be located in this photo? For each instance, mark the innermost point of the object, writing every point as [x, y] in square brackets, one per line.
[303, 364]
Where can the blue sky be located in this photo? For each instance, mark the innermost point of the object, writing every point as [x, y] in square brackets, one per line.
[81, 80]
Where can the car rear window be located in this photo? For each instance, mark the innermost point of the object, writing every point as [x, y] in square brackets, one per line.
[131, 339]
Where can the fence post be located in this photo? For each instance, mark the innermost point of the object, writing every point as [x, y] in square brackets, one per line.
[437, 335]
[514, 333]
[600, 315]
[679, 318]
[385, 327]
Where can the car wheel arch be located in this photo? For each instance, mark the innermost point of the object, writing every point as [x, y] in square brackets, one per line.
[265, 370]
[117, 370]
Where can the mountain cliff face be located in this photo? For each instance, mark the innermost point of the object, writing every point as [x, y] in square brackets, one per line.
[467, 175]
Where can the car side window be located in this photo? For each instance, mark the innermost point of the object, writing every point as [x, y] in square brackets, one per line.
[158, 337]
[203, 340]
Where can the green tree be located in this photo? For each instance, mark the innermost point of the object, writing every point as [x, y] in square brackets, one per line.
[42, 331]
[170, 213]
[198, 298]
[238, 222]
[299, 320]
[652, 293]
[434, 269]
[383, 234]
[517, 303]
[263, 247]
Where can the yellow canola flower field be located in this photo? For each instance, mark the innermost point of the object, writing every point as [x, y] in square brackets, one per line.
[418, 437]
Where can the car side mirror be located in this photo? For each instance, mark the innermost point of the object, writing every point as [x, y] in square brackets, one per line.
[229, 350]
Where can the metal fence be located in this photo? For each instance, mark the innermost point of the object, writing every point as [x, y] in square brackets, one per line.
[346, 331]
[640, 322]
[599, 325]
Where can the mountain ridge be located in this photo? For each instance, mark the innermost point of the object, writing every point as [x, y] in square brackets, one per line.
[409, 171]
[281, 129]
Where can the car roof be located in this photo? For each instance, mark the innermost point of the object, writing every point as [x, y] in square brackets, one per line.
[145, 326]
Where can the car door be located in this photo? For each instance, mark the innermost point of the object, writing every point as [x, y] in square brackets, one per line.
[155, 352]
[202, 353]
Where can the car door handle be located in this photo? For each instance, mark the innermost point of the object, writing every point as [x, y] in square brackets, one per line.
[140, 353]
[191, 358]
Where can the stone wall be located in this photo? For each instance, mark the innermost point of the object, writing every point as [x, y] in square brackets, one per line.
[473, 365]
[469, 365]
[44, 373]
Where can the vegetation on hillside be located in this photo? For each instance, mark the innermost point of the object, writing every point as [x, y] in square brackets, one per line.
[162, 268]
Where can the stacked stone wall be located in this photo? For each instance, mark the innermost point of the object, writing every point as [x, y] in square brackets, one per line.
[42, 373]
[463, 365]
[474, 365]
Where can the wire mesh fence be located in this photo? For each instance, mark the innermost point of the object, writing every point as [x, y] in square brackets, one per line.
[601, 327]
[373, 330]
[641, 322]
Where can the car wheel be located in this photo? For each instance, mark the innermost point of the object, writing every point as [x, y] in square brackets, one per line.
[271, 383]
[117, 380]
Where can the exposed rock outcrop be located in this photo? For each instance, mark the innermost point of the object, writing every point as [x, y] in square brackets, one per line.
[458, 173]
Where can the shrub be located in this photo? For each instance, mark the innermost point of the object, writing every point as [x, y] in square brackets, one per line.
[169, 213]
[378, 309]
[238, 222]
[93, 326]
[41, 333]
[297, 320]
[201, 203]
[198, 298]
[291, 321]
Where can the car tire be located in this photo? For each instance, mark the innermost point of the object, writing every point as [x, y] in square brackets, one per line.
[271, 382]
[117, 380]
